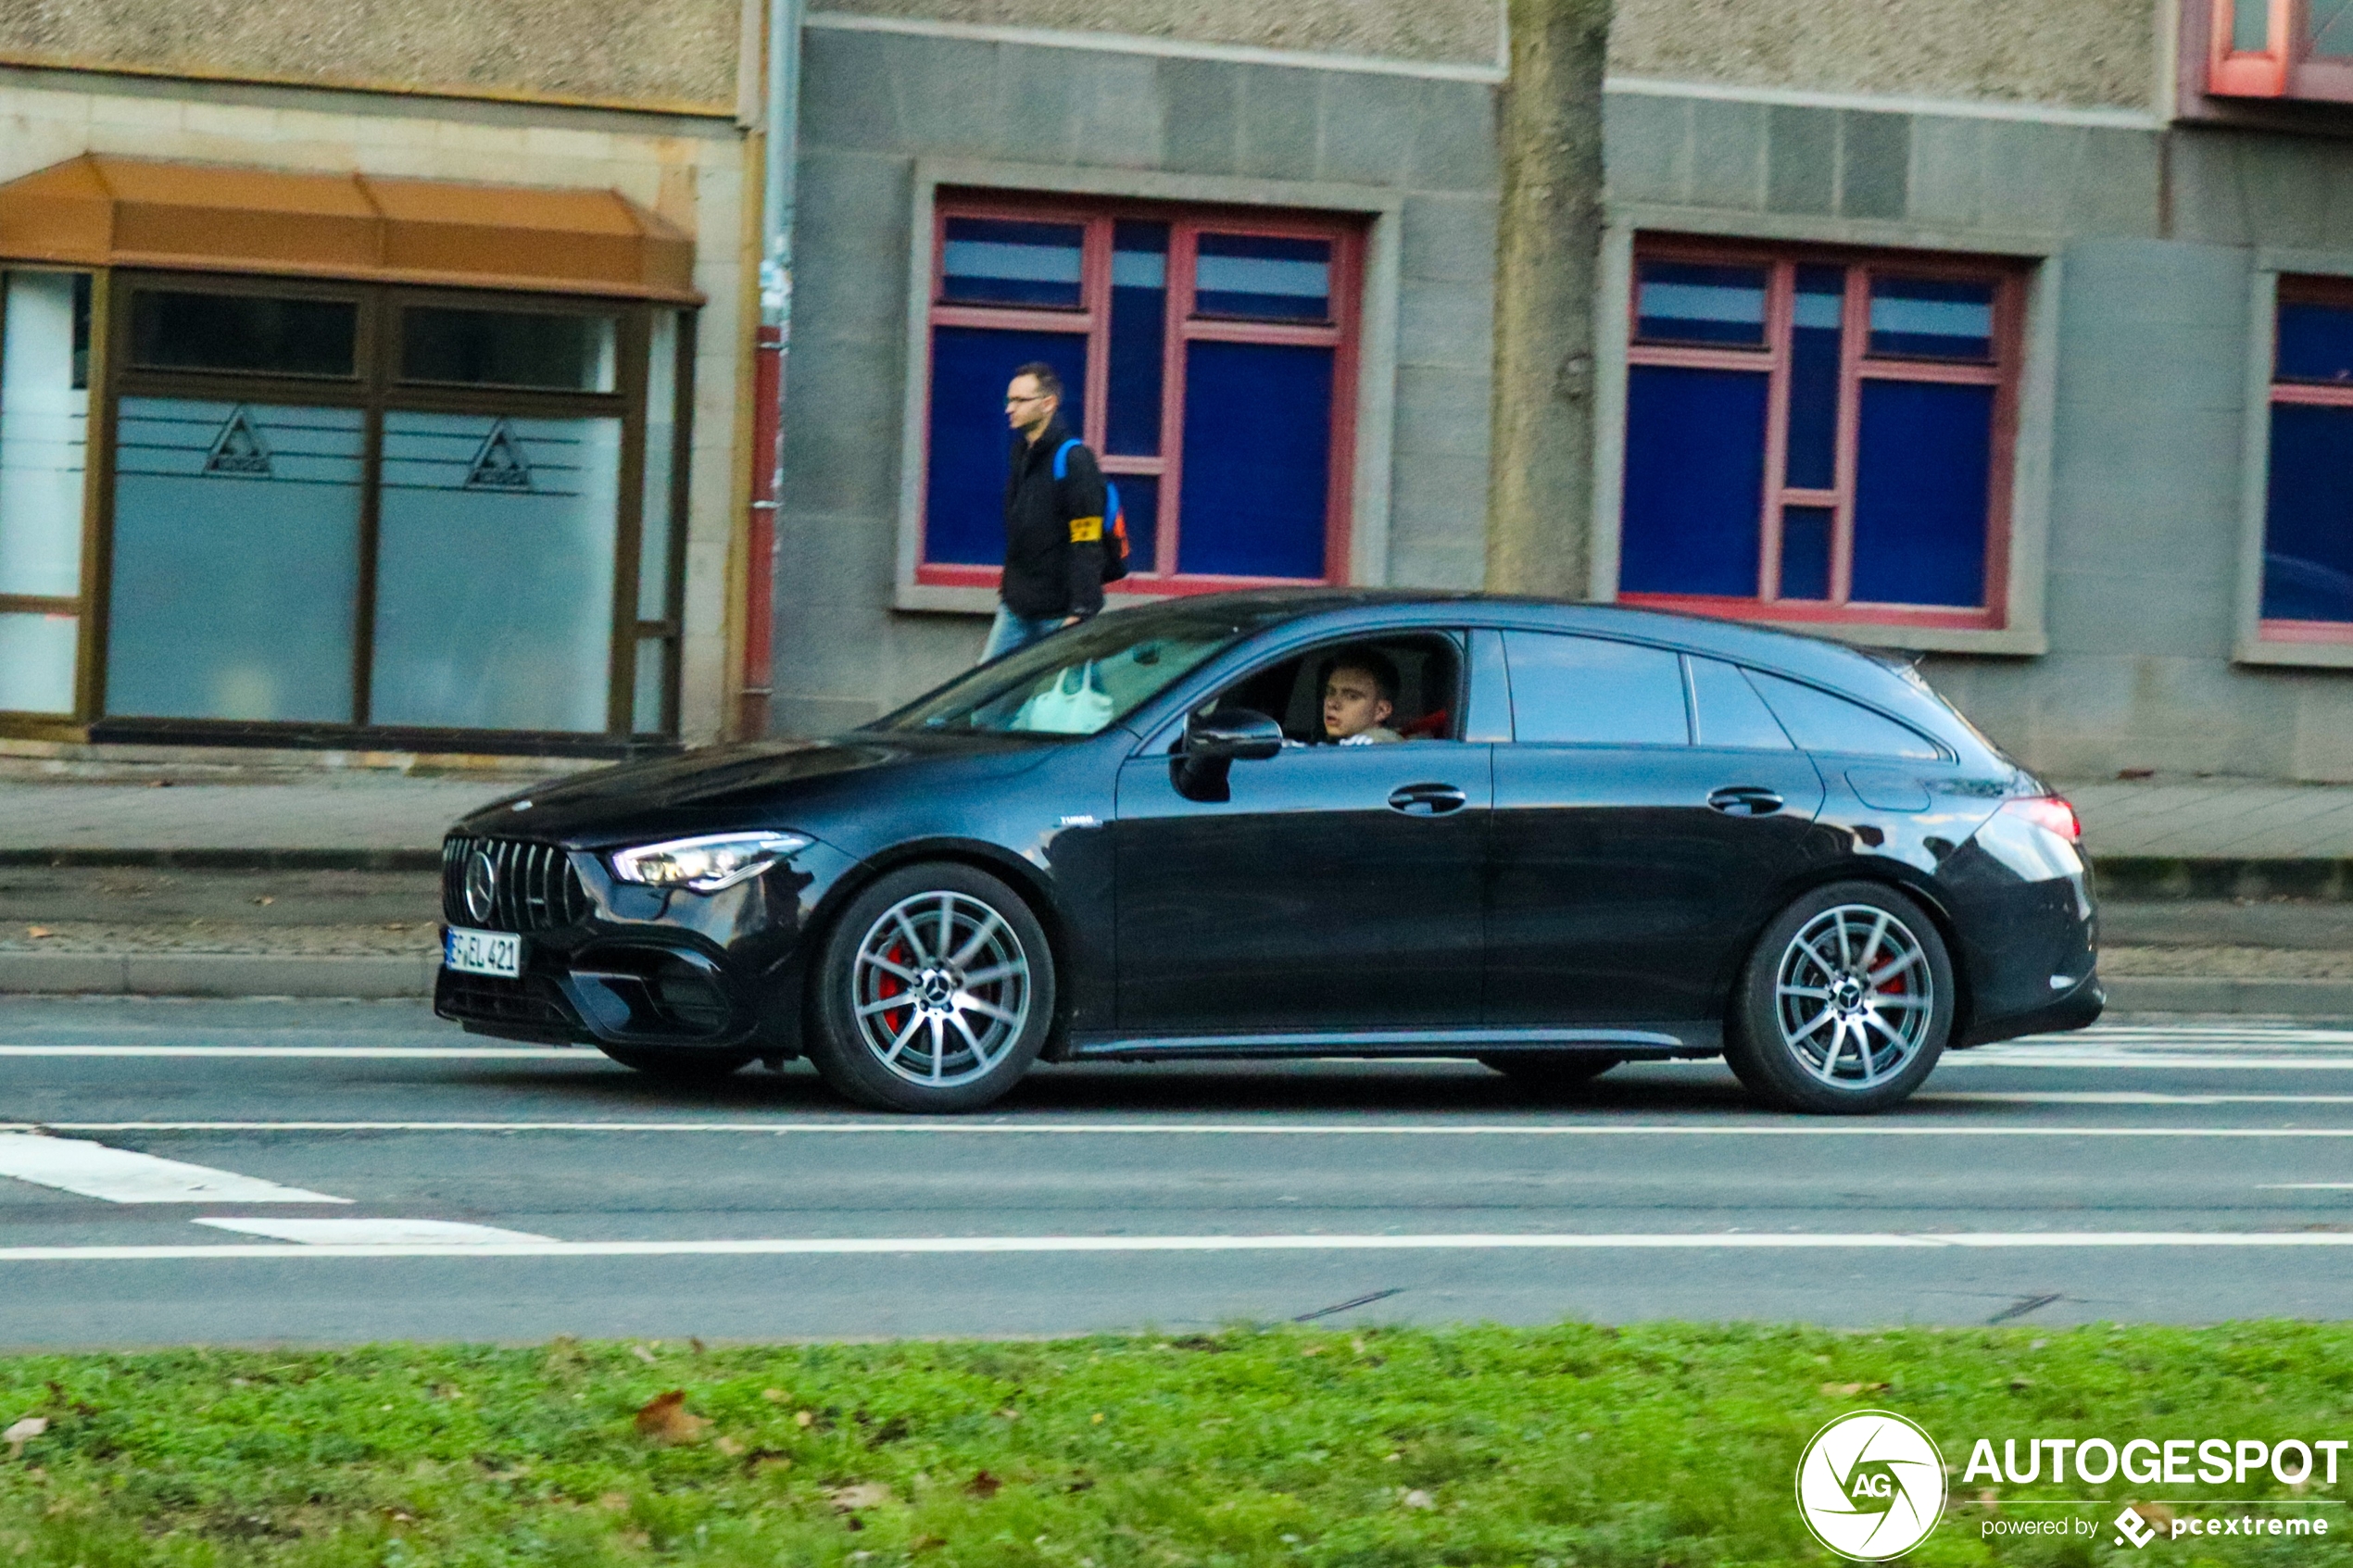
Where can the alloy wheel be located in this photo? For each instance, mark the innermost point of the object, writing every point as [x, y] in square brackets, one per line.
[941, 989]
[1854, 996]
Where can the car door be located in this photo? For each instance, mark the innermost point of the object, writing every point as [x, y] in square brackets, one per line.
[1646, 811]
[1336, 890]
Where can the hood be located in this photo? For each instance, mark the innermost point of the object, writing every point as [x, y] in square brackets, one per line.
[714, 788]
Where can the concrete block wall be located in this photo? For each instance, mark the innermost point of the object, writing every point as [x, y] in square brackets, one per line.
[872, 103]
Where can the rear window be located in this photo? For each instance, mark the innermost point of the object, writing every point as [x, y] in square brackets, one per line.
[1582, 691]
[1819, 722]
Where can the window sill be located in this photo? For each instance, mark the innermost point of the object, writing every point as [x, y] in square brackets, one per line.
[2305, 645]
[1927, 632]
[973, 590]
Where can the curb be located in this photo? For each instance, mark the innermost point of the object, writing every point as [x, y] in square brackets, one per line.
[382, 977]
[372, 977]
[2167, 876]
[231, 860]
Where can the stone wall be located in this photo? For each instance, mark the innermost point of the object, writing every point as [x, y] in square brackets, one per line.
[673, 53]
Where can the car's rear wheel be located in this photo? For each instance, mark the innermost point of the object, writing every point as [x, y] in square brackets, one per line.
[1551, 1072]
[680, 1066]
[1845, 1003]
[934, 993]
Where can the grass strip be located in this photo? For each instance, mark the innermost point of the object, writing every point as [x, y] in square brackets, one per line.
[1662, 1446]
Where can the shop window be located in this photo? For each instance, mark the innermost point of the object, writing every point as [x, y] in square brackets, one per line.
[44, 420]
[2308, 542]
[1817, 437]
[2290, 49]
[1208, 358]
[348, 506]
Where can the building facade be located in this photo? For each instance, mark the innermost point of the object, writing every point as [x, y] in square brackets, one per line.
[2013, 336]
[387, 380]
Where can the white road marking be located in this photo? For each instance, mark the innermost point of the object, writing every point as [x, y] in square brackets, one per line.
[93, 1170]
[1711, 1241]
[382, 1233]
[2305, 1186]
[2112, 1097]
[1791, 1128]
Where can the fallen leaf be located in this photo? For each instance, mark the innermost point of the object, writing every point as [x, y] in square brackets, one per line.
[1848, 1390]
[1418, 1499]
[642, 1354]
[728, 1446]
[858, 1495]
[666, 1419]
[1009, 1413]
[983, 1484]
[38, 932]
[774, 1396]
[1098, 1418]
[804, 1418]
[1313, 1350]
[617, 1501]
[23, 1432]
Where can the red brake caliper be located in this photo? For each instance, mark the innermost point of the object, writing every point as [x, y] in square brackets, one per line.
[888, 985]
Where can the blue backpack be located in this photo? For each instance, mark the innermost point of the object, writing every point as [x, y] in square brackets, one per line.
[1114, 518]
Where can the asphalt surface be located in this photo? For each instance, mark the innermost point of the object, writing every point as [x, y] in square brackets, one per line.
[2177, 1171]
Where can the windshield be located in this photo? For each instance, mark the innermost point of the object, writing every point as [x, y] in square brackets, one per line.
[1083, 680]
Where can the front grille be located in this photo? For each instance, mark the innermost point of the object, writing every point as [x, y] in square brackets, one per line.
[524, 1007]
[535, 889]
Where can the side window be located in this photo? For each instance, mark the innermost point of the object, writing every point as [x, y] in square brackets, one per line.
[1418, 678]
[1583, 691]
[1819, 722]
[1729, 710]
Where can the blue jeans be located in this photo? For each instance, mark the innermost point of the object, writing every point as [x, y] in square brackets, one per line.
[1009, 631]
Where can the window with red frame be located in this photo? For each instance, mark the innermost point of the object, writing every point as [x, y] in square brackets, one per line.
[2308, 541]
[1207, 357]
[2280, 49]
[1818, 436]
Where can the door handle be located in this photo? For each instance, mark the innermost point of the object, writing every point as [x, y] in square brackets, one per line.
[1745, 800]
[1428, 799]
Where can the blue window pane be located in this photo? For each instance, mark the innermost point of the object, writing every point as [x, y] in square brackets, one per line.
[1262, 278]
[1921, 494]
[2308, 539]
[964, 483]
[1258, 450]
[1001, 261]
[1138, 333]
[1805, 552]
[1931, 319]
[1694, 481]
[2316, 342]
[1687, 302]
[1139, 499]
[1810, 459]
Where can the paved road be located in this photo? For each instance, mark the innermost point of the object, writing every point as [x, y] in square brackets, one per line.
[336, 1172]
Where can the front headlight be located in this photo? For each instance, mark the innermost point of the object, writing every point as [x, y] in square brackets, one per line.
[706, 864]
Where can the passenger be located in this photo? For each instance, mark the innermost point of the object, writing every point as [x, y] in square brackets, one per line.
[1360, 694]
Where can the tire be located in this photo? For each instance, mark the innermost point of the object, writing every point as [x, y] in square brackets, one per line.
[680, 1066]
[1844, 1005]
[980, 1002]
[1551, 1072]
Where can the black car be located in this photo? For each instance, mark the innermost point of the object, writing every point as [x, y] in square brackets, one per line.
[1581, 834]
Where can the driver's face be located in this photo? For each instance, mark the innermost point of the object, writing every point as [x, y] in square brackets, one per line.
[1352, 703]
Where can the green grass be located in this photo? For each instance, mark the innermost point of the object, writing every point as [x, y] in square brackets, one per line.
[1656, 1447]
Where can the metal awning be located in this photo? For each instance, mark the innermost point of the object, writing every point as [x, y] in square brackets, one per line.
[104, 211]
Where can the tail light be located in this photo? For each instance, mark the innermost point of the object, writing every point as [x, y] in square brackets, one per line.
[2049, 812]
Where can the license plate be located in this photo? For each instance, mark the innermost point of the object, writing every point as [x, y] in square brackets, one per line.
[482, 952]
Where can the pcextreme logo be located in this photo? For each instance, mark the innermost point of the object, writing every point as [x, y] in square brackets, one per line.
[1870, 1485]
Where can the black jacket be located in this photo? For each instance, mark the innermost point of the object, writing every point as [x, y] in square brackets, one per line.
[1053, 530]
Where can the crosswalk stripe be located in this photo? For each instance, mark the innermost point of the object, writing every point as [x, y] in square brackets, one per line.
[119, 1176]
[386, 1233]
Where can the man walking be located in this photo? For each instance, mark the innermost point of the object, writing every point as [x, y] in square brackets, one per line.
[1054, 519]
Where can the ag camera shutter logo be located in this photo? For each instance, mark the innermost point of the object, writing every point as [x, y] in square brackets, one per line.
[1870, 1485]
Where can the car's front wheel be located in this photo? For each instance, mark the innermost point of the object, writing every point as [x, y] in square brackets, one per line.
[1845, 1003]
[935, 993]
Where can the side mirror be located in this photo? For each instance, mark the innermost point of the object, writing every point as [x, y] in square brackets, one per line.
[1233, 734]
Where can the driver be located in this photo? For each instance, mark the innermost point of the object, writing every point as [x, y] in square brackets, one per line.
[1360, 694]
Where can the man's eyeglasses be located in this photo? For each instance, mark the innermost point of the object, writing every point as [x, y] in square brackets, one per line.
[1018, 402]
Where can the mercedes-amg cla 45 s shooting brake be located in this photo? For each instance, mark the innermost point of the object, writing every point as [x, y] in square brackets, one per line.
[1550, 837]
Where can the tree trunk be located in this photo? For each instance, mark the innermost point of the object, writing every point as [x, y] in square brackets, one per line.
[1539, 485]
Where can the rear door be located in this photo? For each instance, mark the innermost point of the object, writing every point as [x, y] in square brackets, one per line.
[1647, 808]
